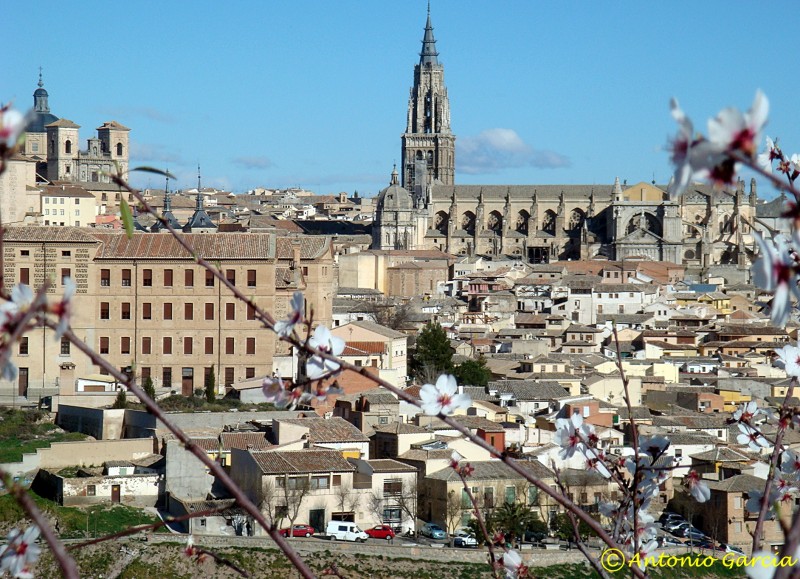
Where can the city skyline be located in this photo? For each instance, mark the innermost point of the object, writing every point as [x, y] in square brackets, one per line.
[314, 95]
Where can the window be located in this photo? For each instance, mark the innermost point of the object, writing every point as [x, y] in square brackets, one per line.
[167, 311]
[119, 149]
[65, 347]
[126, 278]
[68, 148]
[209, 345]
[465, 500]
[392, 486]
[166, 346]
[228, 376]
[23, 346]
[320, 482]
[124, 345]
[229, 345]
[511, 495]
[187, 345]
[167, 278]
[125, 311]
[65, 273]
[337, 480]
[104, 311]
[251, 312]
[251, 278]
[533, 496]
[166, 377]
[737, 502]
[105, 277]
[147, 278]
[488, 497]
[146, 347]
[209, 279]
[249, 373]
[230, 275]
[230, 311]
[209, 311]
[188, 278]
[147, 311]
[678, 452]
[145, 373]
[91, 490]
[104, 345]
[24, 275]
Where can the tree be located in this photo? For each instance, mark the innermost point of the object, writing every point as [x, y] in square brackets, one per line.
[346, 498]
[121, 400]
[433, 354]
[294, 490]
[148, 388]
[408, 502]
[473, 372]
[513, 519]
[211, 386]
[453, 511]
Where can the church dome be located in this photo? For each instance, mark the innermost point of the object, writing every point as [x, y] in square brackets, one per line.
[40, 92]
[394, 197]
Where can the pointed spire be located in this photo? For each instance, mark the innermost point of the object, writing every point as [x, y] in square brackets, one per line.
[199, 205]
[428, 54]
[394, 180]
[617, 190]
[167, 200]
[41, 84]
[40, 95]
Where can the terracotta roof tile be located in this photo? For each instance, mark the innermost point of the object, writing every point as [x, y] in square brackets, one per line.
[334, 429]
[301, 461]
[244, 440]
[35, 234]
[210, 245]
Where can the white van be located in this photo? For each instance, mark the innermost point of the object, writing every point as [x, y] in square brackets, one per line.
[345, 531]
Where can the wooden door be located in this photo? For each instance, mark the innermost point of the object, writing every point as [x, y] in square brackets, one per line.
[115, 493]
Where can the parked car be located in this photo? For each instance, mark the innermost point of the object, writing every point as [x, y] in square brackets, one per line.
[668, 517]
[731, 549]
[709, 545]
[669, 542]
[534, 537]
[672, 526]
[433, 531]
[345, 531]
[381, 532]
[694, 535]
[298, 531]
[463, 538]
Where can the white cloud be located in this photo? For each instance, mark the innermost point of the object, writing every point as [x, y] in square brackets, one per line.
[153, 152]
[496, 149]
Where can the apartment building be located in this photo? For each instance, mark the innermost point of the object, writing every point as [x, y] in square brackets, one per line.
[150, 309]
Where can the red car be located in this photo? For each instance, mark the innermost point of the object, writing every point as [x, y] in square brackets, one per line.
[381, 532]
[298, 531]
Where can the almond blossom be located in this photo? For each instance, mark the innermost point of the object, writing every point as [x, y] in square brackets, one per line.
[698, 489]
[734, 131]
[20, 552]
[790, 462]
[762, 565]
[12, 125]
[572, 434]
[746, 412]
[775, 271]
[442, 398]
[755, 498]
[284, 328]
[322, 339]
[515, 568]
[771, 153]
[752, 438]
[681, 150]
[63, 308]
[274, 391]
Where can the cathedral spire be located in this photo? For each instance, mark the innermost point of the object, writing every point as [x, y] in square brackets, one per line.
[40, 95]
[428, 54]
[167, 200]
[199, 204]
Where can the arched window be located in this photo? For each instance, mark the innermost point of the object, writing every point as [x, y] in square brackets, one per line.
[119, 149]
[68, 147]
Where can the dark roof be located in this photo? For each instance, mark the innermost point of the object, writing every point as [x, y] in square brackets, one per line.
[389, 465]
[494, 470]
[335, 429]
[301, 461]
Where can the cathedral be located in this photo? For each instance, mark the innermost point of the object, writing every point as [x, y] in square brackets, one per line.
[423, 208]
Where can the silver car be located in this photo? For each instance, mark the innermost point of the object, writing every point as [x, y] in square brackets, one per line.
[433, 531]
[463, 538]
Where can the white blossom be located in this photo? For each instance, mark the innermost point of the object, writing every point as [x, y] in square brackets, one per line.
[284, 328]
[322, 339]
[775, 271]
[569, 435]
[752, 438]
[443, 397]
[789, 359]
[512, 561]
[733, 130]
[20, 552]
[762, 565]
[697, 487]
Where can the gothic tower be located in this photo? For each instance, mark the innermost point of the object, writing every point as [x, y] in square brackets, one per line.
[428, 145]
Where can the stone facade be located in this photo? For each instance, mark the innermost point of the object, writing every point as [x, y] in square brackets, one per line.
[542, 223]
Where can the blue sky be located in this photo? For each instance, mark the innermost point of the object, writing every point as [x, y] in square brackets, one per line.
[314, 93]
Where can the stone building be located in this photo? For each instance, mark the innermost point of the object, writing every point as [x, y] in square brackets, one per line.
[147, 307]
[543, 223]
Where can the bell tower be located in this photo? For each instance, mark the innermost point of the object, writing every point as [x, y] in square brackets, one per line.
[428, 145]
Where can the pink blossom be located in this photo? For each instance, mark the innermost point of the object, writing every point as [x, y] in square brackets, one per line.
[752, 438]
[515, 568]
[322, 339]
[442, 398]
[698, 489]
[734, 131]
[284, 328]
[20, 552]
[771, 152]
[12, 125]
[775, 271]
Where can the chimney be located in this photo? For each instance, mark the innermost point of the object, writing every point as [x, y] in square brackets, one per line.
[66, 379]
[295, 253]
